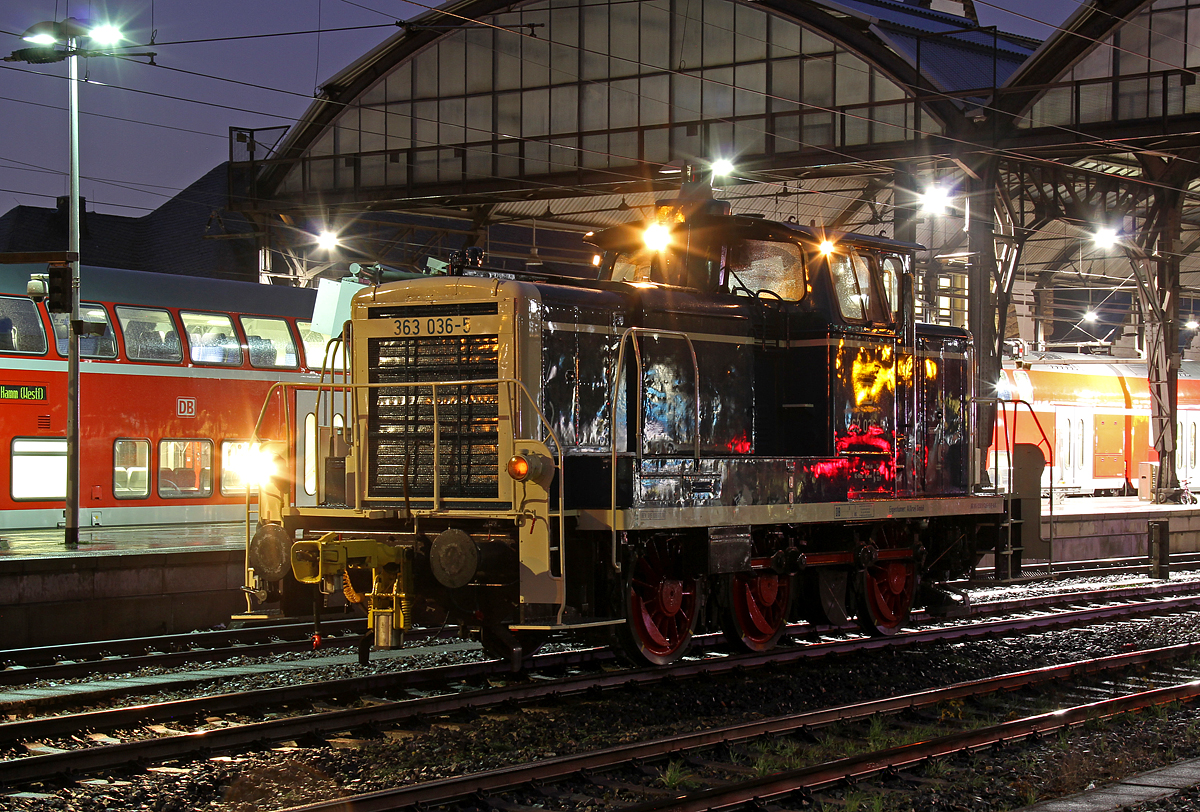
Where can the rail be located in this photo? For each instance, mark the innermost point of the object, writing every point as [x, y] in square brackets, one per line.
[512, 385]
[616, 388]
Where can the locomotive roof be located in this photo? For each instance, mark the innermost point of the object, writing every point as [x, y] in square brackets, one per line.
[631, 233]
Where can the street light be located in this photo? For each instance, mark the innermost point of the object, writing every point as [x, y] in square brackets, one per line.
[46, 36]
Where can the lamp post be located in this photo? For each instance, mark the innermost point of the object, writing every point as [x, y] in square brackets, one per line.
[45, 36]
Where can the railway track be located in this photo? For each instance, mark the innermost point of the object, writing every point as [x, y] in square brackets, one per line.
[640, 767]
[472, 693]
[88, 660]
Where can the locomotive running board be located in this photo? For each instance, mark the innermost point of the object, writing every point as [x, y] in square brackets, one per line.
[591, 624]
[655, 518]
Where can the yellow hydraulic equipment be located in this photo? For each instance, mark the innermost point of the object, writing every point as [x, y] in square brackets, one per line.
[329, 559]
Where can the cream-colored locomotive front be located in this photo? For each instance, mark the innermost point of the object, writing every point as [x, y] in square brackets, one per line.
[447, 471]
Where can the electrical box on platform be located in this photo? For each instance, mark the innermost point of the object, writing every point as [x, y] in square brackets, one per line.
[1147, 480]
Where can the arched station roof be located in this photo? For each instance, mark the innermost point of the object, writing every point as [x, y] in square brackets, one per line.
[482, 103]
[566, 112]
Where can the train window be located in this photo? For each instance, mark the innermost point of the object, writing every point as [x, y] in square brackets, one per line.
[852, 282]
[633, 267]
[1079, 445]
[39, 468]
[314, 347]
[102, 344]
[310, 454]
[778, 267]
[20, 326]
[149, 334]
[242, 466]
[891, 271]
[1024, 385]
[131, 469]
[184, 468]
[212, 339]
[270, 343]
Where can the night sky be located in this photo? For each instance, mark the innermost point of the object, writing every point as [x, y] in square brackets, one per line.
[167, 126]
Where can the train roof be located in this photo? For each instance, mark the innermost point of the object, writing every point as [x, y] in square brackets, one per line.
[1128, 366]
[149, 289]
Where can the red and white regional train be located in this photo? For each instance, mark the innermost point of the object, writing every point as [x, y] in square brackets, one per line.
[1095, 413]
[170, 390]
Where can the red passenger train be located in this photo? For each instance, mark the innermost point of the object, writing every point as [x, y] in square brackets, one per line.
[170, 389]
[1095, 414]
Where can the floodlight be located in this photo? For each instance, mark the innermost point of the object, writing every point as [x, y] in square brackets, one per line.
[1105, 237]
[935, 200]
[657, 237]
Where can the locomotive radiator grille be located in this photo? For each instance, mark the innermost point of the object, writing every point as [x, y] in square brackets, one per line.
[401, 419]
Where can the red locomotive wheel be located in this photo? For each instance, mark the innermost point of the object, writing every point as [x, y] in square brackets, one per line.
[662, 605]
[888, 589]
[758, 609]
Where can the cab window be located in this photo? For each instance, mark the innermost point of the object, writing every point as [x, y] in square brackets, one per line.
[633, 267]
[891, 271]
[852, 283]
[757, 266]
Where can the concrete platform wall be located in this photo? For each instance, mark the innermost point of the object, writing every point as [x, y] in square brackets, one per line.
[50, 601]
[1116, 535]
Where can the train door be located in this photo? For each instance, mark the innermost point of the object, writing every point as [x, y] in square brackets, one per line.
[1108, 451]
[1072, 450]
[313, 426]
[1187, 453]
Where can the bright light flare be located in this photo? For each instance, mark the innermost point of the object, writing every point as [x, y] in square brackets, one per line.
[253, 466]
[1105, 237]
[722, 167]
[327, 240]
[106, 34]
[657, 237]
[41, 38]
[826, 247]
[935, 200]
[1192, 324]
[1090, 316]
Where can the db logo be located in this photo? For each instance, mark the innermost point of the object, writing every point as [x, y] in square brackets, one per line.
[186, 407]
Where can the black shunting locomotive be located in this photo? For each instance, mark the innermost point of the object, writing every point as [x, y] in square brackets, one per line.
[737, 423]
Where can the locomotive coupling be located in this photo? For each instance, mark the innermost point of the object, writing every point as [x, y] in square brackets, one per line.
[390, 601]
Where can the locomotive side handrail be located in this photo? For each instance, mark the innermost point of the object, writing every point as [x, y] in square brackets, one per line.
[360, 474]
[1010, 443]
[612, 422]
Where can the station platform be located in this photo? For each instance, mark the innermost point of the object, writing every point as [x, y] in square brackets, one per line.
[119, 582]
[171, 579]
[1090, 527]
